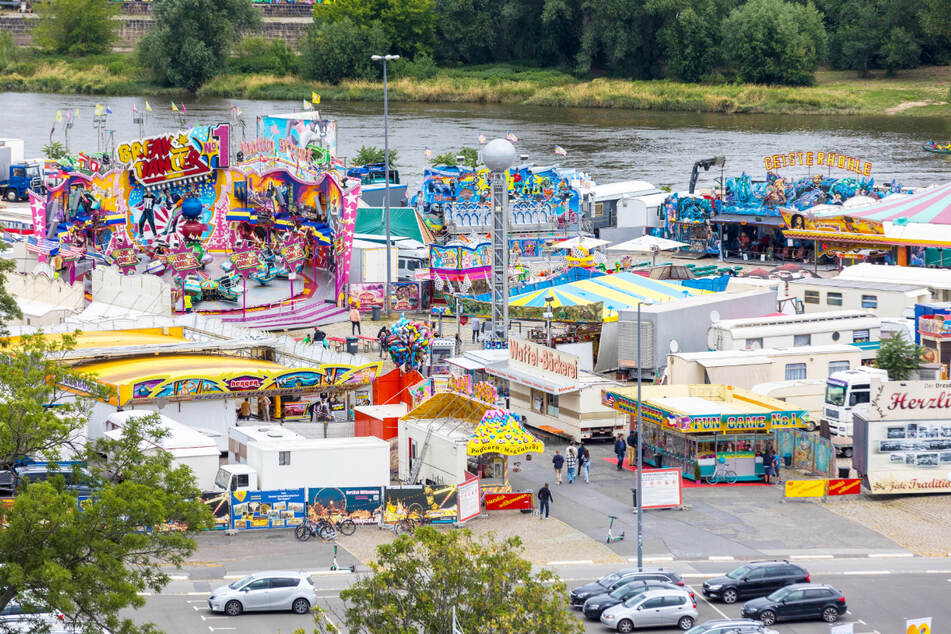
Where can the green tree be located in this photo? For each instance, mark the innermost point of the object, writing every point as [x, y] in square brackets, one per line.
[371, 154]
[617, 37]
[467, 31]
[689, 36]
[470, 157]
[900, 50]
[774, 42]
[898, 356]
[9, 308]
[54, 150]
[856, 43]
[409, 26]
[418, 579]
[75, 27]
[334, 51]
[264, 56]
[936, 19]
[192, 39]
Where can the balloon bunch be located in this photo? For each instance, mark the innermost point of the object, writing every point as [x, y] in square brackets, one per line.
[408, 343]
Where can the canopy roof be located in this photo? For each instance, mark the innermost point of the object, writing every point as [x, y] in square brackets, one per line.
[500, 432]
[405, 222]
[647, 244]
[931, 205]
[449, 405]
[619, 291]
[584, 242]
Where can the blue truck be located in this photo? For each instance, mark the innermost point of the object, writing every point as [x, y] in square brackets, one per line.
[17, 177]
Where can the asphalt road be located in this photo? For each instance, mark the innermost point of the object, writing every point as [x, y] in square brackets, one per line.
[881, 592]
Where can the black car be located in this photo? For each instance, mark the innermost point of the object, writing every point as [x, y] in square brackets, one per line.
[754, 579]
[597, 604]
[615, 580]
[78, 480]
[798, 601]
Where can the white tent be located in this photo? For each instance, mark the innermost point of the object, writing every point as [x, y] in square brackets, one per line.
[647, 244]
[583, 242]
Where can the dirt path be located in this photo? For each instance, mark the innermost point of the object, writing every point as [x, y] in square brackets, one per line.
[907, 105]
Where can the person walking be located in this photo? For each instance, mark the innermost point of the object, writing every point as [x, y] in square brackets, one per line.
[382, 336]
[779, 480]
[632, 448]
[620, 447]
[266, 407]
[768, 466]
[558, 461]
[544, 499]
[571, 461]
[475, 329]
[354, 321]
[584, 462]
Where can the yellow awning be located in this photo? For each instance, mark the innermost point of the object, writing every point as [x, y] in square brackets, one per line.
[500, 432]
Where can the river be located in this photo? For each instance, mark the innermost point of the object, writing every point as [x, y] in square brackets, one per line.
[611, 145]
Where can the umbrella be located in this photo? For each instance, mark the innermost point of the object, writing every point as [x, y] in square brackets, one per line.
[648, 244]
[585, 243]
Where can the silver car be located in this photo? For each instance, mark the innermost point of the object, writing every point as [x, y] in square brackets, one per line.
[656, 608]
[270, 590]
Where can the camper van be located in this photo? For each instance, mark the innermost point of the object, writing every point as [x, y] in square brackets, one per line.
[808, 394]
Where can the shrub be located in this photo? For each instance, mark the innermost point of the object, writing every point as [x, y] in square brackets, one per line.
[262, 56]
[420, 67]
[333, 51]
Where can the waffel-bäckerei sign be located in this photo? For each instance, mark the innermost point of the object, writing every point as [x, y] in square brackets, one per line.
[538, 357]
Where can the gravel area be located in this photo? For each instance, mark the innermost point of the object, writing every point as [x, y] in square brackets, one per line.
[916, 523]
[544, 541]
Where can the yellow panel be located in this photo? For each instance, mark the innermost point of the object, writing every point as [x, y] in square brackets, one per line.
[805, 488]
[131, 370]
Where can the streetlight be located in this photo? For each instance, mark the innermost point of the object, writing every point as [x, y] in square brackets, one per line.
[548, 316]
[640, 452]
[386, 174]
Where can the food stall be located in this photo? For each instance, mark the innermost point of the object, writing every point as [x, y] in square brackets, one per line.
[690, 427]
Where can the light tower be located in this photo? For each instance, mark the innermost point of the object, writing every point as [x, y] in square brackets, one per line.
[499, 155]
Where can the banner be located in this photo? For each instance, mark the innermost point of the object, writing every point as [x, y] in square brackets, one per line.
[267, 509]
[362, 505]
[368, 294]
[509, 501]
[404, 296]
[805, 488]
[661, 488]
[918, 626]
[469, 505]
[438, 504]
[844, 486]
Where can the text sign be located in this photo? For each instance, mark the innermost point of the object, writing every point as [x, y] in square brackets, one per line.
[509, 501]
[918, 626]
[818, 159]
[912, 400]
[844, 486]
[661, 488]
[536, 357]
[805, 488]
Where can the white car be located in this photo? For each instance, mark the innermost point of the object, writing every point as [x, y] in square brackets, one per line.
[656, 608]
[270, 590]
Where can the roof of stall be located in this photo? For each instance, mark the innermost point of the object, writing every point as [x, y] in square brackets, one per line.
[931, 205]
[449, 405]
[404, 222]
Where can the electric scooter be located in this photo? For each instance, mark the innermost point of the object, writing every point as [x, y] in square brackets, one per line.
[611, 536]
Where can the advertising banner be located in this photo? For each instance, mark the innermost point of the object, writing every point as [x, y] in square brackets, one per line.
[909, 457]
[661, 488]
[404, 295]
[844, 486]
[918, 626]
[509, 501]
[805, 488]
[438, 504]
[267, 509]
[362, 505]
[469, 506]
[368, 294]
[220, 504]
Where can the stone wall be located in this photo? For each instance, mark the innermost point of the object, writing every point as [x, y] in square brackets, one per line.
[19, 25]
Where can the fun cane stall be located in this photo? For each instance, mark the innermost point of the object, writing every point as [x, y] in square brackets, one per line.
[691, 427]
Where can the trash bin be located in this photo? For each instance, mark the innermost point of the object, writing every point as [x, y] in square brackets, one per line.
[844, 472]
[787, 460]
[352, 345]
[634, 494]
[658, 460]
[377, 313]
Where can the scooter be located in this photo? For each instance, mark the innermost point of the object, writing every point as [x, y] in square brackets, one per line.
[611, 536]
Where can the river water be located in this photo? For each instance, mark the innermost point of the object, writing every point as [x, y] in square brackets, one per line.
[610, 145]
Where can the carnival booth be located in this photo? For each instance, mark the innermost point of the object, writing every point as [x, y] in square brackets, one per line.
[695, 427]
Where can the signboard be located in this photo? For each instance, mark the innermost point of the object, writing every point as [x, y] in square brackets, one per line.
[805, 488]
[803, 221]
[438, 504]
[362, 505]
[125, 257]
[267, 509]
[539, 358]
[468, 500]
[244, 261]
[288, 136]
[918, 626]
[368, 294]
[844, 486]
[662, 488]
[909, 456]
[509, 501]
[911, 400]
[818, 159]
[183, 262]
[292, 252]
[167, 158]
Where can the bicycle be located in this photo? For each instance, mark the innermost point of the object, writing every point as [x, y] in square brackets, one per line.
[722, 474]
[320, 527]
[611, 536]
[345, 526]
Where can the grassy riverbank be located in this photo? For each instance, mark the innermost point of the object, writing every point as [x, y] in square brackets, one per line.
[923, 91]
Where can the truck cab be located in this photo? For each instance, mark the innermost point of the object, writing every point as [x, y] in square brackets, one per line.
[845, 390]
[236, 477]
[21, 178]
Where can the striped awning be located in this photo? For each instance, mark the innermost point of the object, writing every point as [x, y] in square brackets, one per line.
[927, 206]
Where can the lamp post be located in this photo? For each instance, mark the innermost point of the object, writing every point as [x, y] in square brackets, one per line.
[386, 174]
[548, 316]
[499, 155]
[640, 452]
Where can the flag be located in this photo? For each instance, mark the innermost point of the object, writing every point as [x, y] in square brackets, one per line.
[108, 110]
[76, 113]
[481, 138]
[97, 111]
[174, 107]
[511, 137]
[429, 153]
[69, 114]
[59, 115]
[560, 151]
[238, 109]
[307, 105]
[314, 97]
[134, 109]
[148, 108]
[184, 109]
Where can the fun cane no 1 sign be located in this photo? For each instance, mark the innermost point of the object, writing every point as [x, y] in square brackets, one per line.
[918, 626]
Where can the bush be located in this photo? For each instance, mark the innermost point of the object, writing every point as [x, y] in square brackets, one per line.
[76, 27]
[8, 51]
[262, 56]
[333, 51]
[420, 67]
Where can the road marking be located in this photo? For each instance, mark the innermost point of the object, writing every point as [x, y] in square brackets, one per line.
[721, 558]
[700, 575]
[812, 557]
[178, 577]
[868, 572]
[653, 558]
[888, 555]
[197, 594]
[570, 562]
[718, 610]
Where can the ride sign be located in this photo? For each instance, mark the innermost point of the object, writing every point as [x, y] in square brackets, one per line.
[171, 157]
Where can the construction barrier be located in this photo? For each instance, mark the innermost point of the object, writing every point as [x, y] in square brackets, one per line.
[805, 488]
[844, 486]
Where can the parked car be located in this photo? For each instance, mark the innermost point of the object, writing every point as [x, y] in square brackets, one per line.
[270, 590]
[615, 580]
[754, 579]
[597, 604]
[798, 601]
[78, 480]
[656, 608]
[731, 626]
[22, 617]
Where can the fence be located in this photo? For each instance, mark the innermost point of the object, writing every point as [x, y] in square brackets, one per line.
[807, 451]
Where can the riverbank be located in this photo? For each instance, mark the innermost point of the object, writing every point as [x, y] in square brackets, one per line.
[918, 92]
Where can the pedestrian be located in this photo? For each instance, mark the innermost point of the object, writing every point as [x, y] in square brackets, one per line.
[245, 409]
[266, 406]
[620, 447]
[382, 336]
[307, 338]
[586, 463]
[632, 447]
[544, 499]
[768, 466]
[354, 320]
[475, 329]
[558, 461]
[779, 480]
[571, 461]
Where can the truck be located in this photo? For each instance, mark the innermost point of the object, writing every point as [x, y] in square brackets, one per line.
[17, 177]
[270, 457]
[845, 390]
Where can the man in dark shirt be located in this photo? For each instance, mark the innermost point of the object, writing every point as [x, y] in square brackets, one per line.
[544, 499]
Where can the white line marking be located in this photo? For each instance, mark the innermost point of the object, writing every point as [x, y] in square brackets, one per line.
[329, 572]
[653, 558]
[700, 575]
[721, 558]
[718, 610]
[868, 572]
[890, 555]
[178, 577]
[570, 562]
[811, 557]
[196, 594]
